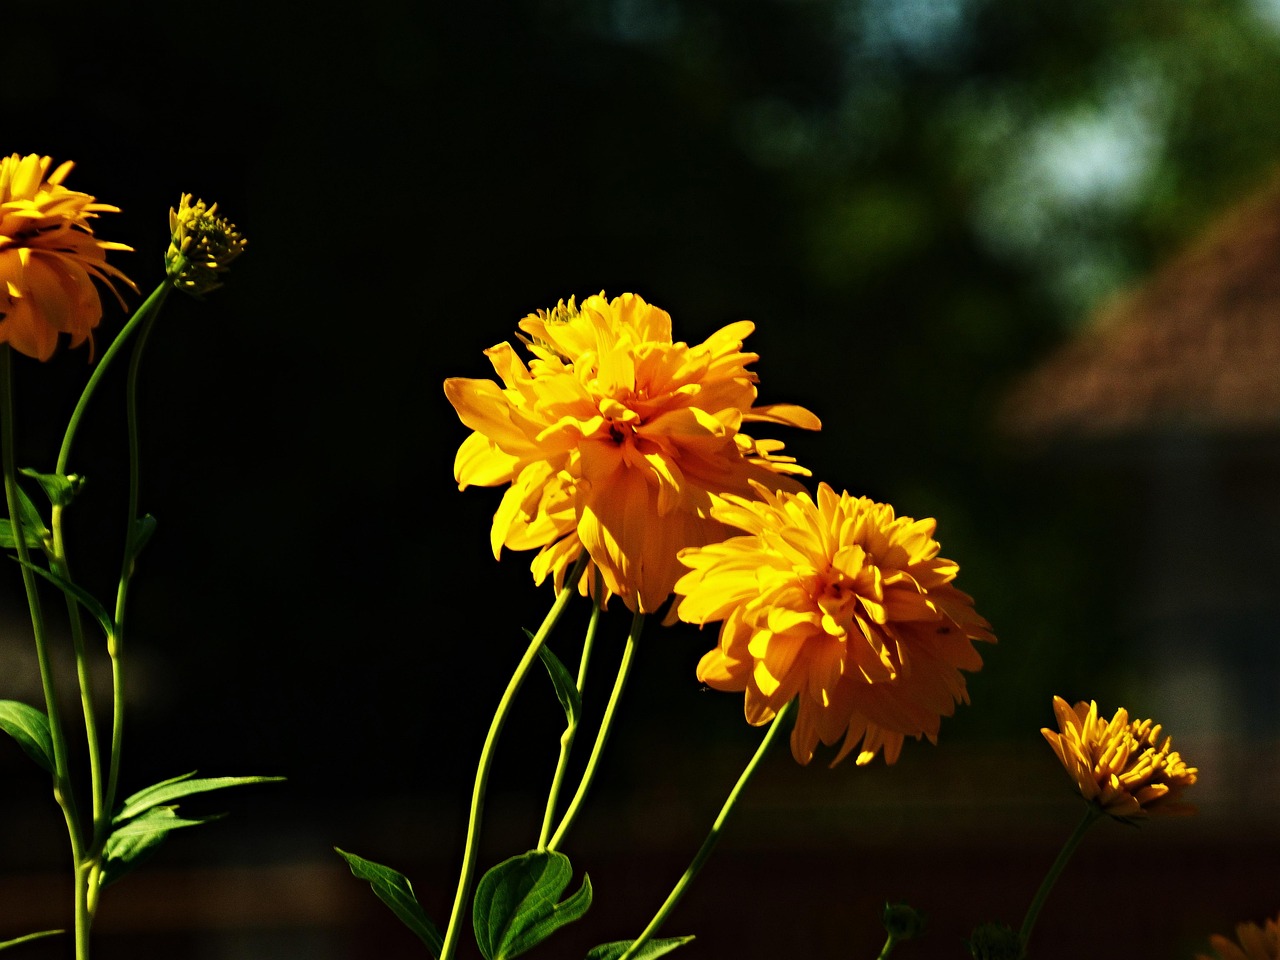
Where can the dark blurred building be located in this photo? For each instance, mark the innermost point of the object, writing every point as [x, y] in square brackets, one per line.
[1176, 384]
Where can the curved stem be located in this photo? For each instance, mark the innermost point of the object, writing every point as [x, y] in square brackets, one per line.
[713, 836]
[101, 801]
[61, 781]
[602, 735]
[453, 932]
[887, 948]
[571, 731]
[116, 647]
[1028, 923]
[147, 308]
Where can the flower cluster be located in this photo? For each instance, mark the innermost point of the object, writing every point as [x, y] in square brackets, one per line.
[842, 604]
[1121, 766]
[1252, 943]
[201, 246]
[49, 258]
[617, 439]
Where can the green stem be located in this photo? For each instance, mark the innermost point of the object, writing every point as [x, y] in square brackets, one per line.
[116, 648]
[60, 564]
[61, 781]
[454, 930]
[887, 948]
[571, 731]
[713, 837]
[602, 735]
[150, 305]
[1091, 814]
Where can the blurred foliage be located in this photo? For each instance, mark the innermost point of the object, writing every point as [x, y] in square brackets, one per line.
[914, 199]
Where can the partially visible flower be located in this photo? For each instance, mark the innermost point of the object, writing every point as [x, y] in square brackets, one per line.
[201, 246]
[1121, 766]
[842, 604]
[618, 439]
[1252, 943]
[49, 258]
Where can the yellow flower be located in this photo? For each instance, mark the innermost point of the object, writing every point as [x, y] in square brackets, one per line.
[841, 604]
[618, 439]
[49, 258]
[1255, 943]
[1120, 765]
[201, 246]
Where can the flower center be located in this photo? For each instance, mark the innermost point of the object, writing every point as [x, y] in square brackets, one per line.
[836, 596]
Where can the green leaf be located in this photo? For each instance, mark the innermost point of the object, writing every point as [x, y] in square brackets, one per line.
[30, 936]
[34, 530]
[181, 786]
[652, 948]
[143, 528]
[7, 541]
[566, 687]
[81, 596]
[30, 727]
[129, 844]
[396, 892]
[60, 489]
[515, 907]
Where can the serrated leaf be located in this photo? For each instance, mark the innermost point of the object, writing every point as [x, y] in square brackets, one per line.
[60, 490]
[29, 937]
[566, 687]
[176, 787]
[395, 890]
[8, 542]
[515, 906]
[30, 727]
[82, 596]
[651, 949]
[129, 844]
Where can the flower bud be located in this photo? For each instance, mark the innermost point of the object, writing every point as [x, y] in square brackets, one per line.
[201, 246]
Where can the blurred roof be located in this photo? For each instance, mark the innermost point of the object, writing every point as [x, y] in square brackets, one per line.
[1196, 347]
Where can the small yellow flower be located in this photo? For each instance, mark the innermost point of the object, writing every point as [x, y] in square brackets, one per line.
[842, 604]
[201, 246]
[618, 439]
[1121, 766]
[49, 258]
[1252, 943]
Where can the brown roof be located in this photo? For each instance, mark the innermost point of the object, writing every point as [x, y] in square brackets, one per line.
[1197, 346]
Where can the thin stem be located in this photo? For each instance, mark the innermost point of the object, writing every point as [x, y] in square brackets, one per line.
[148, 306]
[101, 801]
[115, 647]
[713, 837]
[58, 562]
[887, 948]
[453, 932]
[1091, 814]
[571, 731]
[602, 735]
[61, 781]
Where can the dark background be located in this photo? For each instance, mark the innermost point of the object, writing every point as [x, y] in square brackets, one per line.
[915, 202]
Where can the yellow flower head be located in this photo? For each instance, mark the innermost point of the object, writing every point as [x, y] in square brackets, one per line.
[1252, 943]
[49, 258]
[842, 604]
[201, 246]
[616, 439]
[1121, 766]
